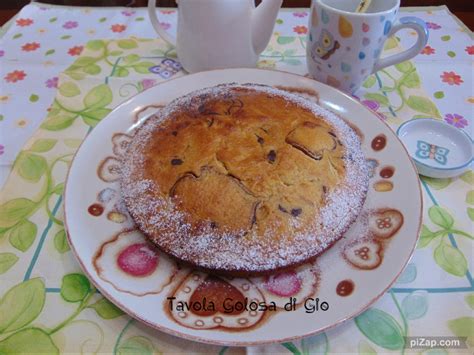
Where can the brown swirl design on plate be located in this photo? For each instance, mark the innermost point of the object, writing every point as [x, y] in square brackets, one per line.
[142, 111]
[379, 142]
[96, 209]
[364, 254]
[132, 265]
[387, 172]
[345, 288]
[385, 223]
[301, 283]
[367, 253]
[383, 186]
[120, 143]
[204, 301]
[109, 169]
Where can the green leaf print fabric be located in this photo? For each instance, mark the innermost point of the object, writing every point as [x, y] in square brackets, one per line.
[47, 305]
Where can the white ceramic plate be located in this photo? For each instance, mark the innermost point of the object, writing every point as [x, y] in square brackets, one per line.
[137, 279]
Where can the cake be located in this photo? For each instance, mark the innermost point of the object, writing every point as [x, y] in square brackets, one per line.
[244, 179]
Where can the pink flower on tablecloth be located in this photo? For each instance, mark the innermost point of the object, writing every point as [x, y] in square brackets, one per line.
[24, 22]
[52, 83]
[148, 83]
[433, 26]
[165, 25]
[470, 50]
[300, 14]
[128, 12]
[30, 47]
[117, 28]
[456, 120]
[14, 76]
[301, 30]
[2, 149]
[167, 12]
[428, 50]
[2, 53]
[76, 50]
[451, 78]
[69, 25]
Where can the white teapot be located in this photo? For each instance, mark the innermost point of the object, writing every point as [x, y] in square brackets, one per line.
[215, 34]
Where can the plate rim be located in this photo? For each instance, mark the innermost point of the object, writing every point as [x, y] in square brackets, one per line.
[259, 342]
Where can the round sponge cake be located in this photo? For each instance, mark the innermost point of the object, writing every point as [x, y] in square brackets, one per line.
[244, 179]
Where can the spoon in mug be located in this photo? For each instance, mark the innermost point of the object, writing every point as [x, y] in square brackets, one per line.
[363, 6]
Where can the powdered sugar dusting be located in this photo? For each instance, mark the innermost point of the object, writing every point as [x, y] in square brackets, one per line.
[224, 251]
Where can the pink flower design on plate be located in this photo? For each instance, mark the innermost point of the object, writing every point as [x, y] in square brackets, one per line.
[2, 53]
[2, 149]
[52, 83]
[469, 50]
[433, 26]
[456, 120]
[300, 14]
[70, 25]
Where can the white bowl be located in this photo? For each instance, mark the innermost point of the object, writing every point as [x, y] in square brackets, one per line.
[438, 149]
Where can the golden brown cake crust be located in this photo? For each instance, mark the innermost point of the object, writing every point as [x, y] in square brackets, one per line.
[244, 179]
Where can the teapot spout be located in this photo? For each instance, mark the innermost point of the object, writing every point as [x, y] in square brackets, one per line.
[263, 21]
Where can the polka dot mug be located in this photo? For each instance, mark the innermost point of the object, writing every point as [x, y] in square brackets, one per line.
[344, 46]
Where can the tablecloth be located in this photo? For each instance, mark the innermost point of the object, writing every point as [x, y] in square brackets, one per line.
[63, 70]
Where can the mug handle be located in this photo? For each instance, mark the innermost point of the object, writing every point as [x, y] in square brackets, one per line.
[421, 29]
[156, 24]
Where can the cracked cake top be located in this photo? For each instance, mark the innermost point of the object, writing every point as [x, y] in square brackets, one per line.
[244, 179]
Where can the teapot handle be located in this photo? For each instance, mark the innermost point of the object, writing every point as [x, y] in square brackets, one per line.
[156, 24]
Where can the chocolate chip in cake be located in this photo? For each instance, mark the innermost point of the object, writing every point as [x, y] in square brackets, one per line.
[203, 110]
[174, 133]
[283, 209]
[317, 156]
[271, 157]
[332, 134]
[295, 212]
[260, 140]
[325, 189]
[235, 106]
[176, 161]
[213, 225]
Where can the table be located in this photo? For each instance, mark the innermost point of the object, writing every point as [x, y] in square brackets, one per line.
[435, 294]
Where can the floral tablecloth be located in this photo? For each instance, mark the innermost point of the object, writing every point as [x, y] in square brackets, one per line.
[63, 69]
